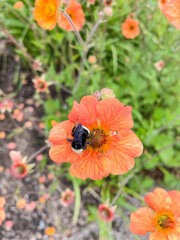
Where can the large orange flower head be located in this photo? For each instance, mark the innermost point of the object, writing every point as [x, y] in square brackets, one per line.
[130, 28]
[162, 3]
[46, 13]
[110, 146]
[162, 217]
[77, 15]
[172, 12]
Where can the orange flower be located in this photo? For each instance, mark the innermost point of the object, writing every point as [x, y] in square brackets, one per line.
[172, 12]
[162, 218]
[50, 231]
[2, 135]
[106, 213]
[67, 197]
[40, 84]
[2, 212]
[46, 13]
[111, 145]
[130, 28]
[162, 3]
[21, 203]
[77, 15]
[108, 2]
[19, 168]
[18, 5]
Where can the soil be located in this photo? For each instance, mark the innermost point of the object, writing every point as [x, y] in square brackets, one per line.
[31, 225]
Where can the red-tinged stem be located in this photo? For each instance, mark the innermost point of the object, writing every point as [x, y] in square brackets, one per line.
[87, 47]
[74, 27]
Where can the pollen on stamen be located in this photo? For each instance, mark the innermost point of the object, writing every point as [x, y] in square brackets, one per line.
[165, 221]
[100, 140]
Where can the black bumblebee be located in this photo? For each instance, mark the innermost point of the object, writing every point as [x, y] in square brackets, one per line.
[80, 135]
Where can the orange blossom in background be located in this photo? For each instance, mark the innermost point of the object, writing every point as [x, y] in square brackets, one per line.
[77, 15]
[172, 12]
[130, 28]
[2, 212]
[112, 144]
[162, 3]
[162, 217]
[47, 14]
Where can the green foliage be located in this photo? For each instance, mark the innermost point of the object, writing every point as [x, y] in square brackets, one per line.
[126, 67]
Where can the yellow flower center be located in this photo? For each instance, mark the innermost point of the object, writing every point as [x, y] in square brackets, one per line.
[99, 140]
[165, 221]
[50, 9]
[20, 169]
[105, 213]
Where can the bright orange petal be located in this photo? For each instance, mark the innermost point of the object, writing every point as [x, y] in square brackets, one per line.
[114, 115]
[159, 200]
[2, 214]
[124, 147]
[85, 112]
[2, 201]
[175, 198]
[158, 236]
[63, 153]
[90, 166]
[142, 221]
[129, 143]
[121, 163]
[60, 133]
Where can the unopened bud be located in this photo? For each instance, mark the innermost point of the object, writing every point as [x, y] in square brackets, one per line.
[65, 4]
[97, 95]
[108, 12]
[107, 93]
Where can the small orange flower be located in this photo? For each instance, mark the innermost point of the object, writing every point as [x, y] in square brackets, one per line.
[21, 203]
[46, 13]
[42, 200]
[130, 28]
[108, 2]
[162, 3]
[162, 218]
[18, 4]
[2, 135]
[19, 168]
[172, 12]
[50, 231]
[42, 179]
[40, 84]
[2, 212]
[106, 213]
[67, 197]
[111, 145]
[77, 15]
[6, 105]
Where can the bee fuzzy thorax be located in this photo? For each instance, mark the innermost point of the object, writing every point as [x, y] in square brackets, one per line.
[80, 134]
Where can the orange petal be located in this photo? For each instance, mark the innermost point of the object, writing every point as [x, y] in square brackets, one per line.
[124, 147]
[85, 112]
[159, 236]
[90, 166]
[142, 221]
[63, 153]
[159, 200]
[2, 214]
[2, 201]
[175, 198]
[60, 133]
[120, 162]
[114, 115]
[128, 143]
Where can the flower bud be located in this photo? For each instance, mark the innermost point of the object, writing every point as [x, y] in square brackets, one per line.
[108, 12]
[65, 4]
[106, 93]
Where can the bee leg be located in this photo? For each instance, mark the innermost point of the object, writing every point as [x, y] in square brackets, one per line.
[69, 140]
